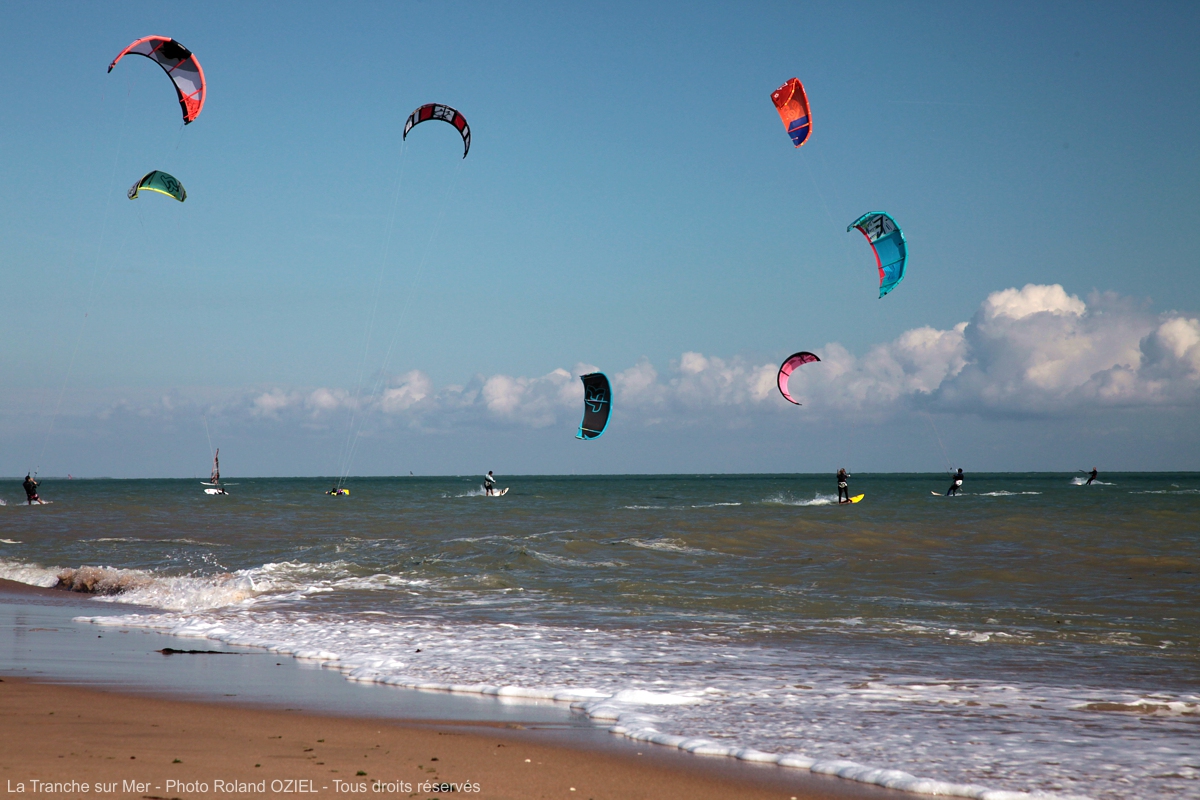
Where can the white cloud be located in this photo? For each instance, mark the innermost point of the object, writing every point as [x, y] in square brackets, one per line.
[408, 392]
[269, 404]
[1037, 350]
[1033, 299]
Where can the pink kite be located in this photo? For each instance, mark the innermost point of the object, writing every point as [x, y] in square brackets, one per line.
[788, 367]
[180, 65]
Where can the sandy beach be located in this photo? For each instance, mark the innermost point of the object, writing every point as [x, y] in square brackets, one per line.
[78, 740]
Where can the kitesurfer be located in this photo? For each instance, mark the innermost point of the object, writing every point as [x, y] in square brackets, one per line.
[1091, 476]
[31, 494]
[955, 484]
[489, 484]
[843, 482]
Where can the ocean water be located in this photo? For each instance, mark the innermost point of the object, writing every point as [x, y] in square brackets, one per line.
[1033, 636]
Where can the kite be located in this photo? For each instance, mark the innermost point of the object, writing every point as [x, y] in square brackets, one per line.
[597, 405]
[444, 113]
[792, 104]
[887, 241]
[161, 182]
[788, 367]
[180, 65]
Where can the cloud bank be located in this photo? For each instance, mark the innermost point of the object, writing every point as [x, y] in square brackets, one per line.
[1034, 351]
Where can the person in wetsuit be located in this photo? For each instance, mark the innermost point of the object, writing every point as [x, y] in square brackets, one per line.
[955, 484]
[31, 494]
[489, 483]
[1091, 476]
[843, 482]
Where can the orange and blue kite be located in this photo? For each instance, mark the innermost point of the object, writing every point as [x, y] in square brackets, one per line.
[792, 104]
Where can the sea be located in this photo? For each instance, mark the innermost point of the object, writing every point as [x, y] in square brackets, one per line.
[1032, 636]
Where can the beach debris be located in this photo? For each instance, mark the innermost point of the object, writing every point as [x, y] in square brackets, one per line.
[100, 580]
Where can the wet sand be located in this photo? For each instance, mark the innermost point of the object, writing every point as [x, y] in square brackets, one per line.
[140, 739]
[132, 746]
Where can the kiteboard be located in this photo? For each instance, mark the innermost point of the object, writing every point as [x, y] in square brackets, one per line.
[853, 500]
[338, 492]
[939, 494]
[500, 493]
[214, 491]
[9, 541]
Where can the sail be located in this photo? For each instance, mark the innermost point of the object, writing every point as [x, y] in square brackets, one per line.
[216, 473]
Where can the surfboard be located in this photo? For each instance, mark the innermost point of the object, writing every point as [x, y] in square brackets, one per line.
[500, 493]
[857, 497]
[214, 491]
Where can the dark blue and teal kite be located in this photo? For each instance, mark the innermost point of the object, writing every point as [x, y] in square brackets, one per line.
[161, 182]
[887, 241]
[597, 405]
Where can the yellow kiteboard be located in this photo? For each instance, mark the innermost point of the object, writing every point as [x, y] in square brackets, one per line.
[856, 498]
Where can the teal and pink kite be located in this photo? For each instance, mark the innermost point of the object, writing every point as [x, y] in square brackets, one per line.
[887, 242]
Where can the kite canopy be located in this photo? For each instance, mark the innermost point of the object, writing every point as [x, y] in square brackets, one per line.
[792, 104]
[789, 366]
[180, 65]
[887, 240]
[444, 113]
[161, 182]
[597, 405]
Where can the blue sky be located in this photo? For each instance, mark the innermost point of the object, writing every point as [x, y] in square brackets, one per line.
[630, 198]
